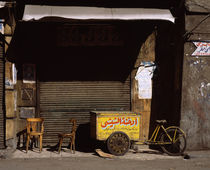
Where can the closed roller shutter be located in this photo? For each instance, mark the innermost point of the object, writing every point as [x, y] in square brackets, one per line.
[60, 101]
[2, 124]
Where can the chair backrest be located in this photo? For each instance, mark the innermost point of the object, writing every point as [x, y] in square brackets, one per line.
[35, 125]
[74, 125]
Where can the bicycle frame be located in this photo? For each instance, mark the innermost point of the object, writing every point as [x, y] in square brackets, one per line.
[153, 139]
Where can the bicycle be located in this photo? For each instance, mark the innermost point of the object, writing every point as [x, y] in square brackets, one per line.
[172, 140]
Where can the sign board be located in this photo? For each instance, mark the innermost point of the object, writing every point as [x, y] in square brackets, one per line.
[203, 49]
[29, 73]
[107, 124]
[27, 112]
[88, 35]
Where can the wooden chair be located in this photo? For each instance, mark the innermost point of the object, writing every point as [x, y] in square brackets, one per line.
[71, 135]
[35, 128]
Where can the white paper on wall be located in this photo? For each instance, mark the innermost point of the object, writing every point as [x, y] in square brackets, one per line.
[144, 77]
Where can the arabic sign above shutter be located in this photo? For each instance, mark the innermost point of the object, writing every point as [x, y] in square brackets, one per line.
[88, 35]
[203, 49]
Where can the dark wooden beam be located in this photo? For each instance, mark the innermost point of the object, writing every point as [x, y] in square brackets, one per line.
[107, 3]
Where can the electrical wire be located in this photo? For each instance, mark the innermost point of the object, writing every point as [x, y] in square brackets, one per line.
[189, 33]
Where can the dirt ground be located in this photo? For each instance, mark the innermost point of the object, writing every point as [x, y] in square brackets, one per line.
[198, 160]
[103, 164]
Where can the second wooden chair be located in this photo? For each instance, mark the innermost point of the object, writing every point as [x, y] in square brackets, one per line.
[70, 135]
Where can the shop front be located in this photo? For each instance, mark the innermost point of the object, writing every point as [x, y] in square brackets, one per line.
[70, 64]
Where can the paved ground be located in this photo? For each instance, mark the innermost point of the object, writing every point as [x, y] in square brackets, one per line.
[144, 159]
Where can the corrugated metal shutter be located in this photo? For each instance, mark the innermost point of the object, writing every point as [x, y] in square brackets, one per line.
[60, 101]
[2, 124]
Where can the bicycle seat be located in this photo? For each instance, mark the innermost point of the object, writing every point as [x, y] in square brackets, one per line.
[161, 121]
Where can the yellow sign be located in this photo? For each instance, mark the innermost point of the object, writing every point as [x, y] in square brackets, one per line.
[106, 125]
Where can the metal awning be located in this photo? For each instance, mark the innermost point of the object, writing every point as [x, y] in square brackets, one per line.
[37, 12]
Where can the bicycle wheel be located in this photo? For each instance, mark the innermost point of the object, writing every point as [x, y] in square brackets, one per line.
[175, 144]
[118, 143]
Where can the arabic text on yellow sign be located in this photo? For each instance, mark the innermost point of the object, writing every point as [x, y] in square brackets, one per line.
[127, 124]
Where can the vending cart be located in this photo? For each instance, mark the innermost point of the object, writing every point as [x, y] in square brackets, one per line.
[116, 128]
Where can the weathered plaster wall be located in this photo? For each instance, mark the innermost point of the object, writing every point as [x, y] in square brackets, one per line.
[198, 5]
[195, 114]
[9, 93]
[143, 106]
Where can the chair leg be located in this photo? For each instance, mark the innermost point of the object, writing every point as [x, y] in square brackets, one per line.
[72, 140]
[27, 143]
[40, 143]
[71, 143]
[74, 144]
[60, 144]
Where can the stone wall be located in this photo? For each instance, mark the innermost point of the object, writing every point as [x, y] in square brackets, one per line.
[195, 115]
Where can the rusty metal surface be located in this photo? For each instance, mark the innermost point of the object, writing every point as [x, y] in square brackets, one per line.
[60, 101]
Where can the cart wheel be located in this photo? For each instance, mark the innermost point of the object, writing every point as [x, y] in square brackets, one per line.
[118, 143]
